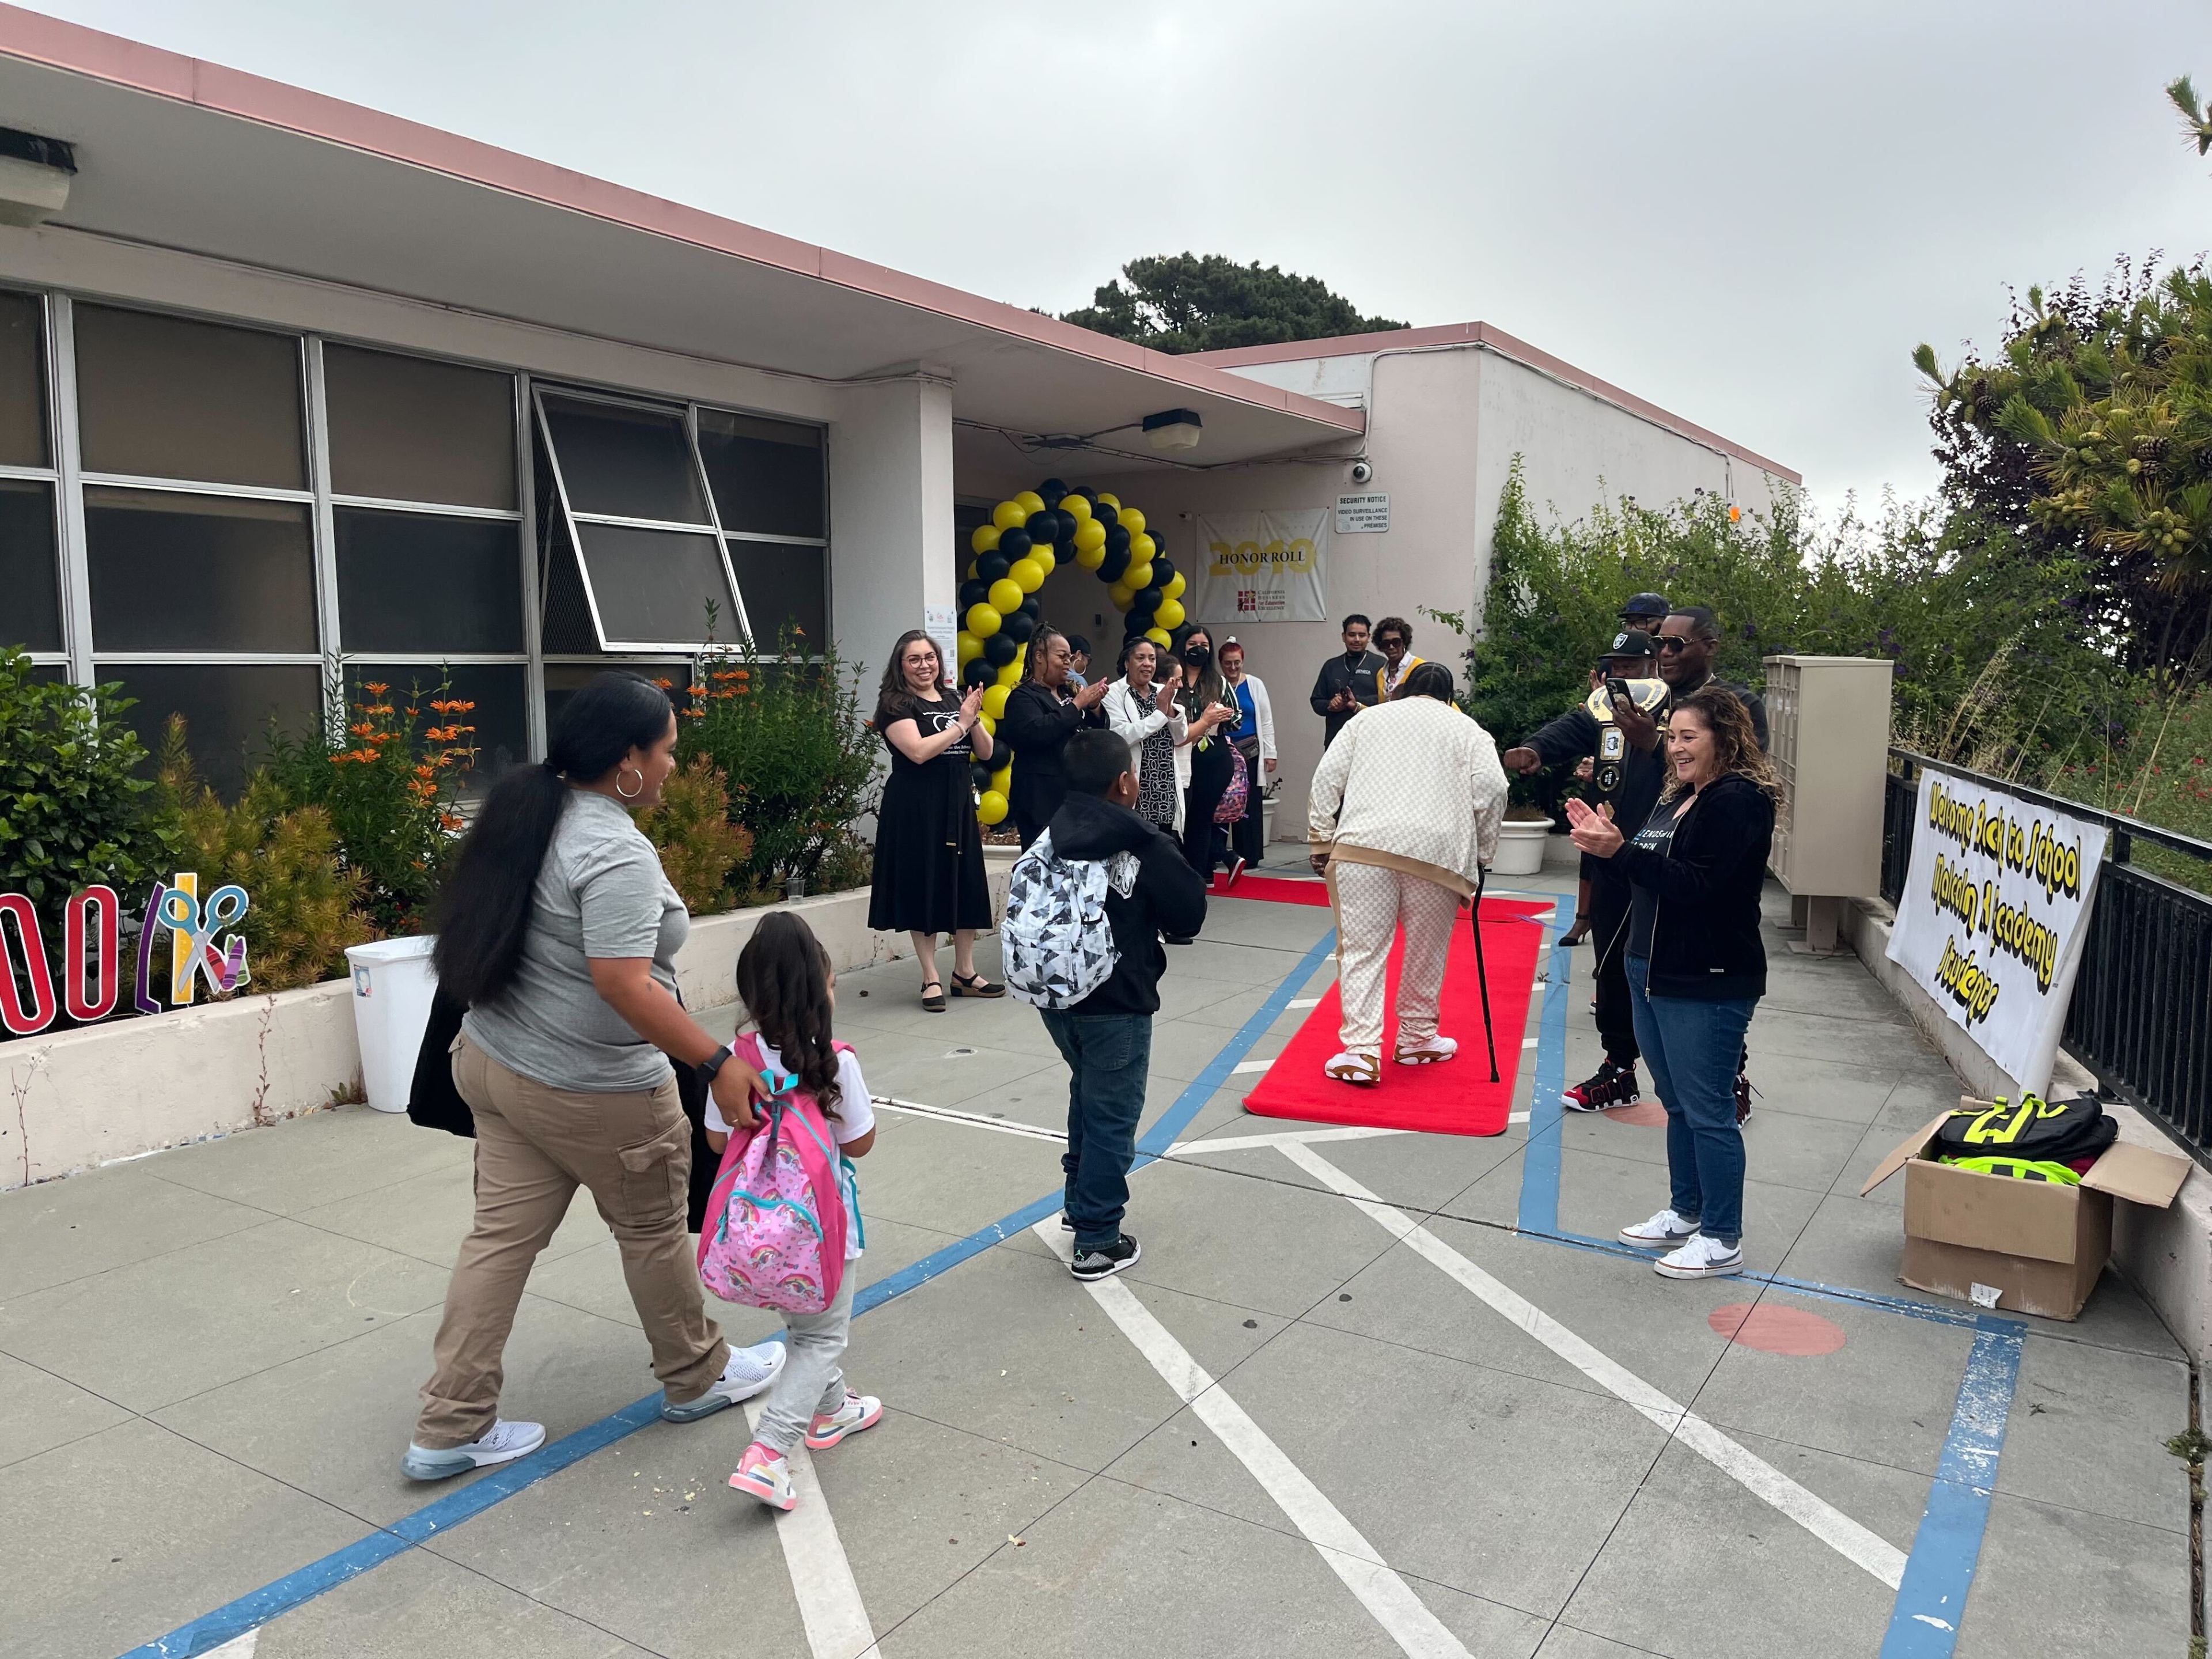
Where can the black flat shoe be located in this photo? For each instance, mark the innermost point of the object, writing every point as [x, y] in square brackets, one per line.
[932, 997]
[974, 985]
[1179, 939]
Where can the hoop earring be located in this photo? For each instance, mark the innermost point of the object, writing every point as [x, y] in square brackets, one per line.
[630, 794]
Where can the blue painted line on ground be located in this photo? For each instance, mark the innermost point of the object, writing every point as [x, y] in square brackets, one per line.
[1924, 1622]
[1539, 1161]
[257, 1607]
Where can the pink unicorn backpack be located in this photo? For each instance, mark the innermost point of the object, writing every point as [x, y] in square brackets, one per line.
[775, 1230]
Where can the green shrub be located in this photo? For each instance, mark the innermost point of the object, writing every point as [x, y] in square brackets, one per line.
[699, 846]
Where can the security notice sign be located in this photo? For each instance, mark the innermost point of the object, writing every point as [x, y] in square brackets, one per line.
[1993, 915]
[1262, 567]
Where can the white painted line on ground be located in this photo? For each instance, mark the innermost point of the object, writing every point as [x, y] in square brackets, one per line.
[1877, 1555]
[971, 1119]
[1530, 1042]
[1250, 1065]
[1304, 1002]
[1405, 1617]
[239, 1647]
[1241, 1143]
[830, 1604]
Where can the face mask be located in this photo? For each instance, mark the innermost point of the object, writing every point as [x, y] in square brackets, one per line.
[1197, 657]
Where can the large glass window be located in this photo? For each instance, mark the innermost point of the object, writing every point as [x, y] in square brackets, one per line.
[564, 679]
[169, 397]
[654, 588]
[497, 690]
[22, 381]
[176, 572]
[230, 710]
[625, 462]
[408, 429]
[412, 581]
[30, 585]
[767, 475]
[784, 589]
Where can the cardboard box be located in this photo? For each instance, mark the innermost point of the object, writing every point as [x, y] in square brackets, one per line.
[2032, 1247]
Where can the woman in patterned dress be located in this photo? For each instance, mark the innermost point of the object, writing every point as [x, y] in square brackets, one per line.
[1143, 712]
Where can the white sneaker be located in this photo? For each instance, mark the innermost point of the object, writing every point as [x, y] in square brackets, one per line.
[1429, 1051]
[1701, 1258]
[749, 1371]
[1664, 1229]
[860, 1411]
[761, 1474]
[502, 1443]
[1354, 1066]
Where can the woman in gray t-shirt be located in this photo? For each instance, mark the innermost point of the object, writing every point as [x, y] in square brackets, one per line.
[559, 934]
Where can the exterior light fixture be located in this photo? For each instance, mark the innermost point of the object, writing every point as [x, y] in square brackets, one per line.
[34, 177]
[1173, 429]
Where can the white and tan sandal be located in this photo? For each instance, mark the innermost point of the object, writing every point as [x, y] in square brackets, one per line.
[1352, 1066]
[1429, 1051]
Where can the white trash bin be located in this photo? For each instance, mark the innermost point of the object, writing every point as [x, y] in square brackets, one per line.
[392, 981]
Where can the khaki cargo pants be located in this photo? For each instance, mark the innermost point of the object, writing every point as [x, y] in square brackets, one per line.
[535, 1147]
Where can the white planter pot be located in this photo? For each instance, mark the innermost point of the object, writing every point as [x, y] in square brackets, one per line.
[1520, 848]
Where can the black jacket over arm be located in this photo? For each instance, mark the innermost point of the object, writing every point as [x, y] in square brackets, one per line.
[1036, 726]
[1335, 675]
[1704, 937]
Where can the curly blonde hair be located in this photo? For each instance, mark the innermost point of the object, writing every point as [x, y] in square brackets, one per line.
[1735, 744]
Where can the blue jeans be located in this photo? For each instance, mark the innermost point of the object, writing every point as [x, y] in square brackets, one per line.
[1693, 1047]
[1108, 1058]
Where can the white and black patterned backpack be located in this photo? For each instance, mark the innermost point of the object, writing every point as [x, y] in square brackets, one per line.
[1056, 945]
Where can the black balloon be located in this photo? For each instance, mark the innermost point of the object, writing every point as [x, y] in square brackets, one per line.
[1018, 628]
[1149, 600]
[974, 593]
[992, 566]
[1052, 489]
[1013, 543]
[1088, 495]
[1108, 516]
[1116, 564]
[1140, 618]
[979, 773]
[1067, 527]
[1162, 571]
[1117, 540]
[1042, 526]
[979, 671]
[998, 650]
[1030, 607]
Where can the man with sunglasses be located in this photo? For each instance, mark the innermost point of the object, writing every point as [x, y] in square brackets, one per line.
[1686, 644]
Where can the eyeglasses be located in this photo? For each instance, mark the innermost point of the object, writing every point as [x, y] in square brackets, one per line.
[1673, 642]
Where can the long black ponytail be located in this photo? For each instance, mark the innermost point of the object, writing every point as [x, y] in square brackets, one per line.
[484, 913]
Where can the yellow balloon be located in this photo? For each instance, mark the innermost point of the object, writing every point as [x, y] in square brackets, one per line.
[986, 538]
[1105, 500]
[971, 576]
[1141, 547]
[1159, 636]
[992, 808]
[983, 621]
[1008, 515]
[1043, 557]
[1028, 573]
[1090, 558]
[1138, 577]
[1088, 534]
[1029, 501]
[1171, 613]
[1121, 596]
[1005, 595]
[968, 647]
[1176, 589]
[994, 701]
[1011, 673]
[1077, 508]
[987, 724]
[1003, 779]
[1132, 521]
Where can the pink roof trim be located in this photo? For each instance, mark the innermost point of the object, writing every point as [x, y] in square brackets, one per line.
[1483, 334]
[69, 46]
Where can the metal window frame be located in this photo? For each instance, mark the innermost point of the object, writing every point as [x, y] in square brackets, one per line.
[69, 488]
[50, 475]
[533, 600]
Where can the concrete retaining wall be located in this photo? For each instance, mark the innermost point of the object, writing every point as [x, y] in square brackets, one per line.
[2166, 1254]
[87, 1097]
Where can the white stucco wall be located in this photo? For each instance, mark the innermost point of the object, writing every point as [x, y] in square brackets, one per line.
[890, 514]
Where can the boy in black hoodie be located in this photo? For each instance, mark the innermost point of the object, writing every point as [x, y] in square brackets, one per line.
[1107, 1038]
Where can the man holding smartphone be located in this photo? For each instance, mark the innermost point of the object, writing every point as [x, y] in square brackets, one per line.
[1619, 727]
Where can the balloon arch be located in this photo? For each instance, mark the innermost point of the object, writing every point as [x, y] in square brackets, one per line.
[1024, 543]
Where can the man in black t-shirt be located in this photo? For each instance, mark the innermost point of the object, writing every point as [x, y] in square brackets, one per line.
[1346, 684]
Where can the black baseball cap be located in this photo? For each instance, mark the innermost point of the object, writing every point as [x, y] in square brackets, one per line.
[1647, 605]
[1629, 642]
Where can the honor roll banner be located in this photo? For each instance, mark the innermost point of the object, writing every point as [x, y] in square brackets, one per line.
[1993, 916]
[1262, 567]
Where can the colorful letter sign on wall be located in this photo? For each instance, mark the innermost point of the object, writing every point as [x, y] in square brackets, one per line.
[90, 962]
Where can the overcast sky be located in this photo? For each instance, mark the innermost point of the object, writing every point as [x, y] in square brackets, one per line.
[1748, 212]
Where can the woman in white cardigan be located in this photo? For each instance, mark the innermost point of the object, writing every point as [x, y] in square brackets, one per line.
[1143, 714]
[1255, 739]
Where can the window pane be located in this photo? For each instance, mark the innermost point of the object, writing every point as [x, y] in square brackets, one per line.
[784, 587]
[198, 572]
[654, 587]
[227, 706]
[165, 398]
[564, 679]
[767, 475]
[412, 430]
[30, 585]
[409, 582]
[629, 463]
[496, 689]
[23, 380]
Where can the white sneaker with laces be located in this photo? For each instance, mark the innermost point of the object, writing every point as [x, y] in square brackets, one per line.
[749, 1372]
[1666, 1228]
[502, 1443]
[1701, 1258]
[860, 1411]
[1429, 1051]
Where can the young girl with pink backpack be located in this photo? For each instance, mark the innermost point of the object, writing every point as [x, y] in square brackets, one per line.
[783, 1224]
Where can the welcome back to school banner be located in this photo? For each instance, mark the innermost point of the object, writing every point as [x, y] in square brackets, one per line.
[1993, 915]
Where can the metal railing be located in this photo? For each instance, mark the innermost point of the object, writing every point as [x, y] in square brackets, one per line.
[2140, 1018]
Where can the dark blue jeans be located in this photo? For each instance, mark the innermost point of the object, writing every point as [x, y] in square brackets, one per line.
[1692, 1047]
[1107, 1056]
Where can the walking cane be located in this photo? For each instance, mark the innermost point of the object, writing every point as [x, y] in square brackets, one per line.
[1481, 974]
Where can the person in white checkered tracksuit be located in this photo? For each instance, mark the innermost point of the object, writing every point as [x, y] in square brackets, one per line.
[1405, 809]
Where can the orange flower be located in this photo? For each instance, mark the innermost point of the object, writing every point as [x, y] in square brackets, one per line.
[375, 687]
[362, 730]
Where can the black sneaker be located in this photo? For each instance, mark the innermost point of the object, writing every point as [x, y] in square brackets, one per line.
[1611, 1085]
[1179, 939]
[1104, 1260]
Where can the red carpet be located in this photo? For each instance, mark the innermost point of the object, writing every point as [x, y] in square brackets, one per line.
[1279, 889]
[1455, 1098]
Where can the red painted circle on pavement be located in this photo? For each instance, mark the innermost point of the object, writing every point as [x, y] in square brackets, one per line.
[1649, 1114]
[1772, 1328]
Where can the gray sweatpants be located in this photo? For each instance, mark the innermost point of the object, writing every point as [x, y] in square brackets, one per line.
[810, 1382]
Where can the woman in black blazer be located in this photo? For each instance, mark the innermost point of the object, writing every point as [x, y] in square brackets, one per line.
[1041, 715]
[1696, 966]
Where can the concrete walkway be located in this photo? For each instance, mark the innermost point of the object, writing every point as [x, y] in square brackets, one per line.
[1364, 1396]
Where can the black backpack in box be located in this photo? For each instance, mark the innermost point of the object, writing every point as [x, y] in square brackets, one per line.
[2034, 1132]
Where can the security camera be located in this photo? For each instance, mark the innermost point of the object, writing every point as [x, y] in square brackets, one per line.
[1361, 472]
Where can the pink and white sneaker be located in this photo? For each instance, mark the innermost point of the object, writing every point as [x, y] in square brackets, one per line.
[761, 1473]
[860, 1411]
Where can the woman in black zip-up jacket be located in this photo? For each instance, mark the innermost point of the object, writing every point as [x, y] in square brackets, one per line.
[1696, 966]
